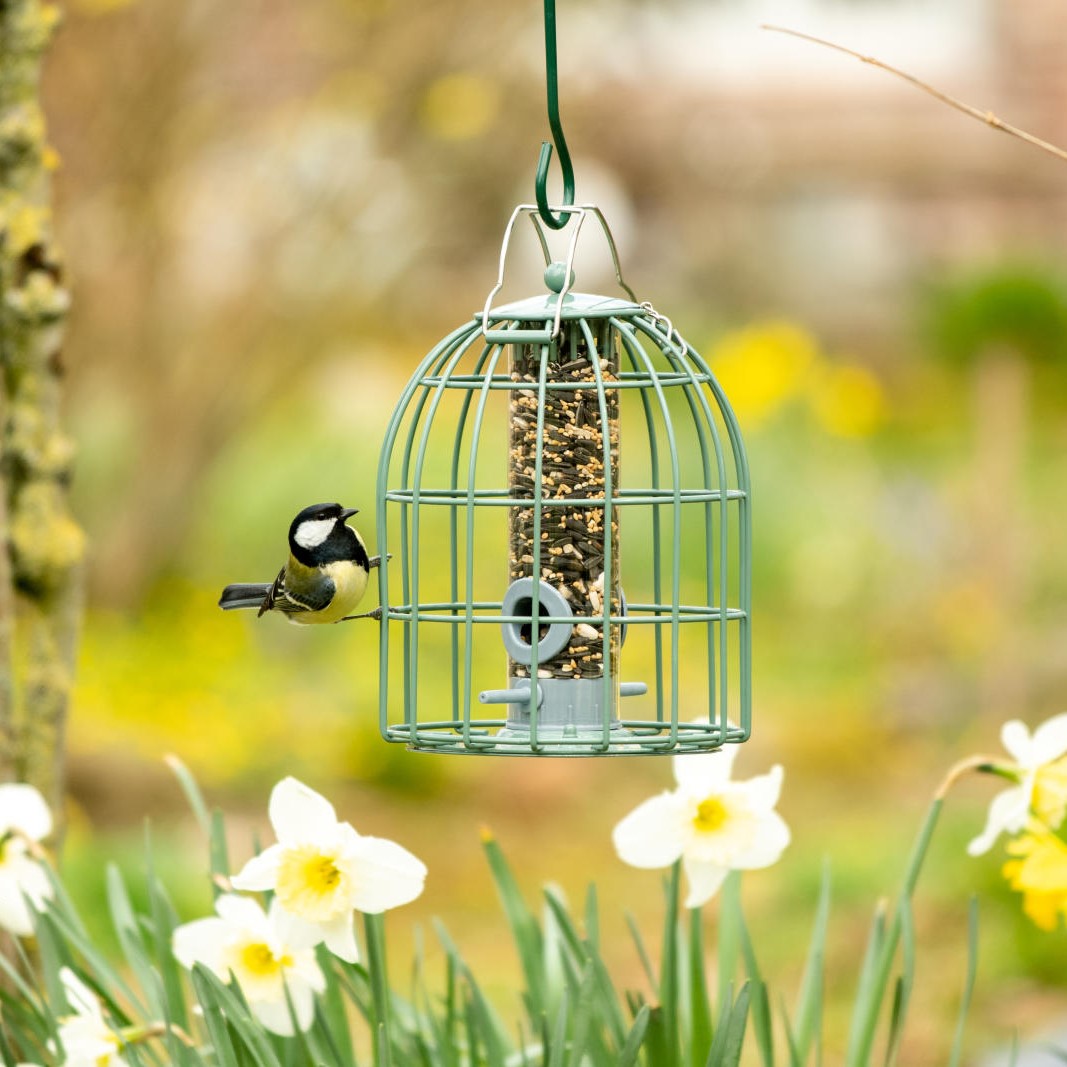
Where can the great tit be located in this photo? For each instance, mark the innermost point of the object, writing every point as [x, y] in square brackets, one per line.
[325, 576]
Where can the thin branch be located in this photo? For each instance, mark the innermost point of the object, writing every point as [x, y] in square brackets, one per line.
[982, 116]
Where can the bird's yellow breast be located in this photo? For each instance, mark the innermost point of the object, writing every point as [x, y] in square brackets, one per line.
[350, 583]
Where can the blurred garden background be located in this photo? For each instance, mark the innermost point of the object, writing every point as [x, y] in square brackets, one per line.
[271, 211]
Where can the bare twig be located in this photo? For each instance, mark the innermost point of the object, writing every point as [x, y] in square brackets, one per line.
[983, 116]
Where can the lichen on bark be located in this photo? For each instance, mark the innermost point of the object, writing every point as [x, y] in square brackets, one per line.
[43, 547]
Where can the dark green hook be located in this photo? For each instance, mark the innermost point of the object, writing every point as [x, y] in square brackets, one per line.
[541, 181]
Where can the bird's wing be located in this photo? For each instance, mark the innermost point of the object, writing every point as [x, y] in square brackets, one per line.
[293, 601]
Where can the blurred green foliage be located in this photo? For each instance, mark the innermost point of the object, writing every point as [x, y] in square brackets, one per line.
[1019, 307]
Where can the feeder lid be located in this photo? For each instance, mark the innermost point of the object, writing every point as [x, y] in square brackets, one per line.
[575, 306]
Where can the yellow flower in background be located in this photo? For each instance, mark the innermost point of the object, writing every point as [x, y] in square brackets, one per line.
[762, 367]
[1039, 872]
[848, 400]
[459, 107]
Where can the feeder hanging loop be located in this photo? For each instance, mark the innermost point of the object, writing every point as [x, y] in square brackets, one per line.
[554, 222]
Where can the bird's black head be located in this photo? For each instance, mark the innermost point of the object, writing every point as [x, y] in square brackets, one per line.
[319, 535]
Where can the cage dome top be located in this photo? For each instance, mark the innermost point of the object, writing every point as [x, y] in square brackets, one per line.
[574, 306]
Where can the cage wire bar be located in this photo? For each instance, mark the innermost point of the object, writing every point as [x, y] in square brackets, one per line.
[563, 637]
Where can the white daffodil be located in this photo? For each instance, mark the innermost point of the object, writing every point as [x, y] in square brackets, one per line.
[714, 825]
[86, 1038]
[24, 819]
[1040, 769]
[259, 951]
[321, 869]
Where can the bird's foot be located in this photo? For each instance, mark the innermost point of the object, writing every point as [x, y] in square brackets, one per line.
[376, 561]
[375, 614]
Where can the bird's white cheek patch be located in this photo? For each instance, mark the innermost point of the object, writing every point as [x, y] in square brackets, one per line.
[311, 533]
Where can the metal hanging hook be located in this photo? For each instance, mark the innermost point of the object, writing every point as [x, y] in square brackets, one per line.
[555, 222]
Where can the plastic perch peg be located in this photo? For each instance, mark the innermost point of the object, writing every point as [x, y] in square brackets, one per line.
[520, 694]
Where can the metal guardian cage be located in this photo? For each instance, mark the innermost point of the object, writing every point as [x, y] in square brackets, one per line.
[565, 490]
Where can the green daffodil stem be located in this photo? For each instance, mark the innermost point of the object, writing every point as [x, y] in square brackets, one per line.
[978, 765]
[374, 929]
[140, 1034]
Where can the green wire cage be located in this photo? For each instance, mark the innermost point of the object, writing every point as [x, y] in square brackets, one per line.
[565, 492]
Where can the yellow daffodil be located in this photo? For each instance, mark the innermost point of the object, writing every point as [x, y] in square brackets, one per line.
[24, 883]
[260, 951]
[1039, 872]
[714, 825]
[321, 870]
[1039, 768]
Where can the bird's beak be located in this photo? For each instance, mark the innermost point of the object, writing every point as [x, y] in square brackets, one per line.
[347, 513]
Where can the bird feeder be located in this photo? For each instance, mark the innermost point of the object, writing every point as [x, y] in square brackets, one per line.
[564, 491]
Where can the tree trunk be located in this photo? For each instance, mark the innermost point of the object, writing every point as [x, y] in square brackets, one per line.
[41, 569]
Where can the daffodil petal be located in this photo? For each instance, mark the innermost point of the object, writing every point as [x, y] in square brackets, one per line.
[762, 792]
[260, 872]
[705, 880]
[1007, 814]
[340, 938]
[305, 969]
[288, 929]
[653, 834]
[31, 878]
[303, 1001]
[1015, 737]
[241, 911]
[80, 997]
[1050, 740]
[274, 1015]
[201, 941]
[701, 774]
[386, 875]
[769, 840]
[23, 808]
[16, 916]
[300, 815]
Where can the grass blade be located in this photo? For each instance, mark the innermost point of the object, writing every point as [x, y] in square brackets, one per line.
[762, 1020]
[700, 1025]
[968, 985]
[730, 1035]
[903, 986]
[668, 970]
[524, 927]
[809, 1002]
[192, 792]
[642, 953]
[868, 1006]
[635, 1038]
[374, 928]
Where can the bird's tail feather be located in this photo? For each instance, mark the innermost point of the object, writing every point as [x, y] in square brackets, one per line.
[246, 595]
